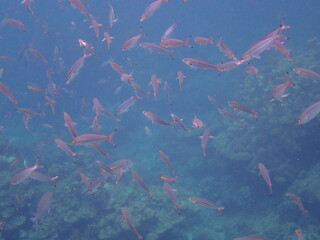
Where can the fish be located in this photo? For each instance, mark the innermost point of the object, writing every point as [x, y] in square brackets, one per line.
[265, 174]
[127, 218]
[151, 8]
[168, 32]
[204, 40]
[174, 42]
[16, 23]
[39, 55]
[230, 115]
[215, 102]
[6, 91]
[278, 45]
[25, 173]
[70, 124]
[154, 47]
[308, 114]
[64, 147]
[226, 66]
[297, 201]
[166, 160]
[95, 26]
[169, 179]
[249, 237]
[51, 103]
[179, 122]
[27, 3]
[155, 119]
[29, 111]
[257, 48]
[204, 140]
[197, 123]
[43, 208]
[112, 18]
[139, 180]
[108, 39]
[180, 78]
[307, 73]
[252, 70]
[169, 191]
[198, 63]
[299, 234]
[97, 106]
[126, 104]
[147, 131]
[76, 67]
[130, 43]
[154, 82]
[89, 138]
[278, 90]
[166, 91]
[42, 177]
[226, 50]
[242, 108]
[116, 67]
[78, 4]
[206, 203]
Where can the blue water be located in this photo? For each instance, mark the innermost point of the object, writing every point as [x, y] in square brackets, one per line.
[228, 176]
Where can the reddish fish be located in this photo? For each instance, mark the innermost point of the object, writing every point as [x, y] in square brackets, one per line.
[197, 123]
[6, 91]
[43, 208]
[95, 26]
[51, 103]
[42, 177]
[252, 70]
[166, 160]
[297, 201]
[204, 140]
[265, 174]
[139, 180]
[127, 218]
[278, 90]
[78, 4]
[299, 233]
[108, 39]
[173, 42]
[89, 138]
[169, 179]
[206, 203]
[154, 47]
[169, 191]
[203, 40]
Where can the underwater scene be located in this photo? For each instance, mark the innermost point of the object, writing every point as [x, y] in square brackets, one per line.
[160, 120]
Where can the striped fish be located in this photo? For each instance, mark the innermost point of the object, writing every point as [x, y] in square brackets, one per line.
[198, 63]
[265, 174]
[25, 173]
[126, 104]
[306, 73]
[89, 138]
[151, 8]
[76, 67]
[309, 113]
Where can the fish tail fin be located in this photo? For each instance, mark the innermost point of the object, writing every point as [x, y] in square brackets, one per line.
[110, 136]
